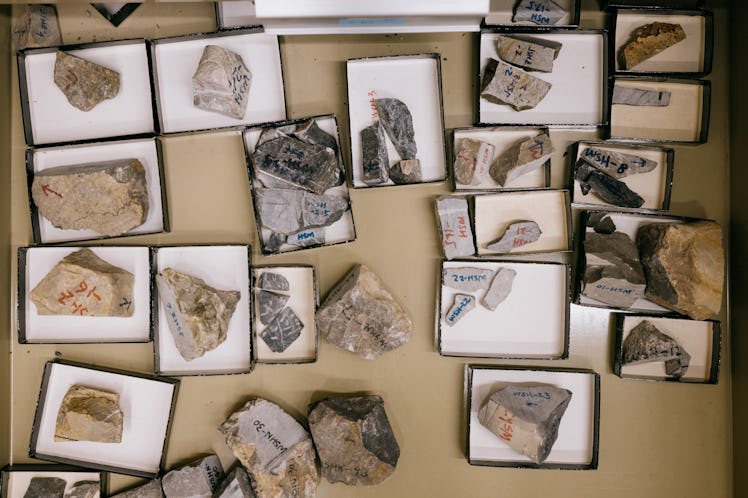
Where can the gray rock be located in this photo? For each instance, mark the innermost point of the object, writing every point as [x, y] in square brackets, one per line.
[268, 134]
[517, 234]
[473, 157]
[462, 305]
[196, 480]
[221, 82]
[526, 417]
[616, 164]
[406, 171]
[198, 315]
[236, 484]
[109, 197]
[521, 158]
[84, 489]
[454, 227]
[613, 273]
[273, 282]
[310, 132]
[89, 414]
[288, 211]
[361, 316]
[307, 238]
[270, 304]
[398, 123]
[276, 451]
[354, 439]
[151, 489]
[640, 97]
[606, 187]
[273, 241]
[646, 344]
[601, 223]
[46, 487]
[375, 160]
[84, 83]
[36, 27]
[501, 287]
[467, 278]
[282, 331]
[533, 54]
[505, 84]
[542, 12]
[677, 367]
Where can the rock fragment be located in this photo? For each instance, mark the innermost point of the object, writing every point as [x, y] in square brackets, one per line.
[272, 281]
[606, 187]
[221, 82]
[526, 417]
[462, 305]
[640, 97]
[89, 414]
[473, 159]
[604, 224]
[454, 227]
[195, 480]
[467, 278]
[270, 304]
[288, 211]
[521, 158]
[375, 160]
[84, 489]
[613, 273]
[616, 164]
[501, 287]
[397, 121]
[310, 132]
[198, 315]
[46, 487]
[109, 197]
[649, 40]
[151, 489]
[646, 344]
[355, 442]
[282, 331]
[406, 171]
[505, 84]
[236, 484]
[276, 451]
[517, 234]
[36, 27]
[532, 54]
[307, 238]
[541, 12]
[361, 316]
[84, 83]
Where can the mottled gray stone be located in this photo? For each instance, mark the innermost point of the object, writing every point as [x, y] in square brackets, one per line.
[196, 480]
[236, 484]
[521, 158]
[466, 278]
[517, 234]
[84, 83]
[472, 161]
[151, 489]
[273, 282]
[533, 54]
[375, 160]
[616, 164]
[606, 187]
[526, 417]
[406, 171]
[221, 82]
[89, 414]
[109, 197]
[288, 211]
[282, 331]
[501, 287]
[454, 226]
[46, 487]
[613, 273]
[361, 316]
[640, 97]
[541, 12]
[605, 225]
[646, 344]
[36, 27]
[270, 304]
[84, 489]
[276, 451]
[198, 315]
[354, 440]
[307, 238]
[462, 305]
[509, 85]
[397, 121]
[310, 132]
[273, 241]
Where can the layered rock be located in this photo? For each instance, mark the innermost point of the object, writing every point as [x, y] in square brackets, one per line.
[613, 273]
[521, 158]
[472, 159]
[221, 82]
[649, 40]
[505, 84]
[89, 414]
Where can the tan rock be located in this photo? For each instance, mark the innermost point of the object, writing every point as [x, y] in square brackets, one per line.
[521, 158]
[472, 161]
[84, 83]
[649, 40]
[89, 414]
[505, 84]
[37, 26]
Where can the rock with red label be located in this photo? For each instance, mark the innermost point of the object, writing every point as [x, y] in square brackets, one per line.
[517, 234]
[454, 227]
[473, 158]
[509, 85]
[84, 83]
[195, 480]
[398, 123]
[521, 158]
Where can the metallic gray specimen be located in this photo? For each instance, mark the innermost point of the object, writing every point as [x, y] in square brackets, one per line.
[273, 282]
[236, 484]
[84, 489]
[517, 234]
[467, 278]
[310, 132]
[282, 331]
[640, 97]
[375, 160]
[196, 480]
[646, 344]
[221, 82]
[270, 304]
[37, 26]
[606, 187]
[46, 487]
[505, 84]
[521, 158]
[501, 287]
[613, 273]
[462, 305]
[472, 160]
[289, 211]
[151, 489]
[406, 171]
[542, 12]
[533, 54]
[398, 123]
[616, 164]
[84, 83]
[454, 227]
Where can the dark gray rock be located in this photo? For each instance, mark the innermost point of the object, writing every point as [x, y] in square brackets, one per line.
[354, 439]
[270, 304]
[606, 187]
[375, 160]
[84, 489]
[640, 97]
[646, 344]
[406, 171]
[501, 287]
[616, 164]
[236, 484]
[505, 84]
[606, 225]
[398, 123]
[273, 282]
[613, 273]
[196, 480]
[310, 132]
[46, 487]
[541, 12]
[307, 238]
[288, 211]
[467, 278]
[462, 305]
[151, 489]
[517, 234]
[282, 331]
[454, 227]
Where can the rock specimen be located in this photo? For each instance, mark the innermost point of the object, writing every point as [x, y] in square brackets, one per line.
[310, 132]
[462, 305]
[684, 264]
[236, 484]
[109, 197]
[533, 54]
[601, 223]
[375, 160]
[361, 316]
[616, 164]
[37, 26]
[646, 344]
[273, 282]
[521, 158]
[640, 97]
[275, 450]
[398, 123]
[288, 211]
[221, 82]
[473, 158]
[517, 234]
[454, 226]
[84, 489]
[46, 487]
[282, 331]
[84, 284]
[84, 83]
[354, 439]
[505, 84]
[307, 238]
[198, 315]
[606, 187]
[406, 171]
[501, 287]
[467, 278]
[613, 273]
[89, 414]
[195, 480]
[526, 417]
[649, 40]
[151, 489]
[542, 12]
[270, 304]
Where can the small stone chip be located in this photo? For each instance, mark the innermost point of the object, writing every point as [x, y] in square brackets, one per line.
[517, 234]
[398, 123]
[606, 187]
[649, 40]
[406, 171]
[196, 480]
[270, 304]
[467, 278]
[542, 12]
[473, 160]
[84, 489]
[89, 414]
[646, 344]
[375, 160]
[84, 83]
[36, 27]
[640, 97]
[605, 225]
[616, 164]
[221, 82]
[505, 84]
[273, 282]
[501, 287]
[533, 54]
[289, 211]
[46, 487]
[236, 484]
[462, 304]
[151, 489]
[521, 158]
[454, 227]
[282, 331]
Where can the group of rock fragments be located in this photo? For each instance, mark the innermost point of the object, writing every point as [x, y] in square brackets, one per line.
[497, 284]
[282, 325]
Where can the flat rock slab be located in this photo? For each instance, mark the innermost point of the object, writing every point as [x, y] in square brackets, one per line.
[83, 284]
[646, 344]
[467, 278]
[616, 164]
[89, 414]
[310, 132]
[517, 234]
[275, 450]
[685, 266]
[375, 158]
[541, 12]
[270, 304]
[151, 489]
[84, 83]
[521, 158]
[46, 487]
[282, 331]
[273, 282]
[109, 197]
[454, 226]
[640, 97]
[606, 187]
[221, 82]
[462, 305]
[289, 211]
[649, 40]
[354, 439]
[37, 26]
[84, 489]
[473, 159]
[236, 484]
[406, 171]
[526, 417]
[361, 316]
[509, 85]
[398, 123]
[613, 273]
[195, 480]
[501, 287]
[198, 315]
[532, 54]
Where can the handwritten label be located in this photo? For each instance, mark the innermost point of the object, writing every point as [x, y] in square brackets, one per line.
[239, 83]
[461, 308]
[79, 304]
[173, 317]
[372, 104]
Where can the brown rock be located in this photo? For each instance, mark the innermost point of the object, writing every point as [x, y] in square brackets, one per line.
[649, 40]
[89, 414]
[36, 27]
[84, 83]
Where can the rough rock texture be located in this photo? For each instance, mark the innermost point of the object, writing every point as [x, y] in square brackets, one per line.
[467, 278]
[221, 82]
[195, 480]
[517, 234]
[288, 211]
[310, 132]
[501, 287]
[354, 439]
[361, 316]
[505, 84]
[37, 26]
[275, 450]
[198, 315]
[462, 305]
[108, 197]
[649, 40]
[46, 487]
[375, 159]
[613, 273]
[616, 164]
[638, 96]
[398, 123]
[236, 484]
[473, 158]
[84, 489]
[533, 54]
[406, 171]
[270, 304]
[89, 414]
[521, 158]
[542, 12]
[685, 266]
[86, 285]
[606, 187]
[454, 226]
[273, 282]
[282, 331]
[526, 417]
[646, 344]
[307, 238]
[604, 224]
[84, 83]
[151, 489]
